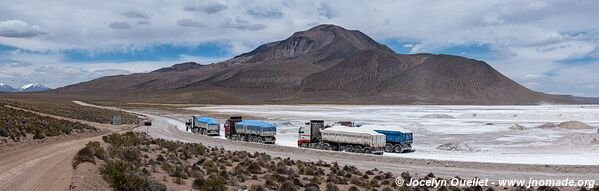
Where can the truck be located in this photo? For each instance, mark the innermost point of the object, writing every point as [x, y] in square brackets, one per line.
[203, 125]
[397, 140]
[236, 128]
[316, 135]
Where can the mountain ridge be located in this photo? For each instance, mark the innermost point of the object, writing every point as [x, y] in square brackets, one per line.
[33, 87]
[324, 64]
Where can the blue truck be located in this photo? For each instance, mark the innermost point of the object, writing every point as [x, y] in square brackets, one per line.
[250, 130]
[397, 141]
[203, 125]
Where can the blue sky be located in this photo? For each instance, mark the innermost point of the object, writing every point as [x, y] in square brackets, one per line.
[548, 46]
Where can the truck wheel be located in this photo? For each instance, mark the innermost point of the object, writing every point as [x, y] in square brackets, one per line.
[304, 144]
[368, 150]
[389, 147]
[398, 148]
[348, 149]
[318, 146]
[326, 146]
[358, 149]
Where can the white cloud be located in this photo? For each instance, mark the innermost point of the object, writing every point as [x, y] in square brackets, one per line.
[52, 71]
[119, 25]
[19, 29]
[556, 51]
[205, 7]
[190, 23]
[529, 35]
[136, 14]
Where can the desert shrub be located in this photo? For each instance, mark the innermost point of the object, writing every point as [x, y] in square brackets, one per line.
[124, 140]
[374, 183]
[287, 186]
[269, 183]
[406, 176]
[357, 181]
[387, 188]
[198, 183]
[214, 183]
[99, 152]
[86, 154]
[332, 187]
[310, 170]
[178, 180]
[160, 158]
[4, 132]
[430, 175]
[312, 187]
[131, 154]
[39, 134]
[166, 167]
[353, 188]
[257, 188]
[123, 176]
[254, 168]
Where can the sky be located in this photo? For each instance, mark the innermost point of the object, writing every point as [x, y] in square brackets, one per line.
[548, 46]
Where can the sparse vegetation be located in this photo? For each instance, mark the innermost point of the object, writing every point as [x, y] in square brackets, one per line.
[133, 161]
[16, 125]
[66, 108]
[87, 154]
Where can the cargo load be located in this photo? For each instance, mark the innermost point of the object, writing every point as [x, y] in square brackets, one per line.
[250, 130]
[398, 140]
[340, 138]
[203, 125]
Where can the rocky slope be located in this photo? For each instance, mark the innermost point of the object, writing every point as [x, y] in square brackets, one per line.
[325, 64]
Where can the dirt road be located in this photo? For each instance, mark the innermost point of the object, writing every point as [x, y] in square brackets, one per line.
[40, 167]
[45, 166]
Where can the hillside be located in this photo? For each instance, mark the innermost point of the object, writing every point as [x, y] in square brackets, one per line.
[325, 64]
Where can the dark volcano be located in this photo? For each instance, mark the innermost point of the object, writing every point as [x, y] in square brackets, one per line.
[325, 64]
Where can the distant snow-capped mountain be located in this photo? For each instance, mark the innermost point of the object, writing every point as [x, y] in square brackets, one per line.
[35, 87]
[7, 88]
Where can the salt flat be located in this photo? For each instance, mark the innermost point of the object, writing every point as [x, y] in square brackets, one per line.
[480, 133]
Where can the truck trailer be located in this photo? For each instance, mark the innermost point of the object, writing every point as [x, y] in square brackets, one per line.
[397, 140]
[203, 125]
[340, 138]
[250, 130]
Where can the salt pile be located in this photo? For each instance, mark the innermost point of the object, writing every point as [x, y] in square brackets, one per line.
[517, 127]
[574, 125]
[455, 146]
[418, 128]
[547, 126]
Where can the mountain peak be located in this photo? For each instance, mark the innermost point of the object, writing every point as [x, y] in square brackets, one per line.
[6, 88]
[327, 27]
[33, 87]
[179, 67]
[322, 41]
